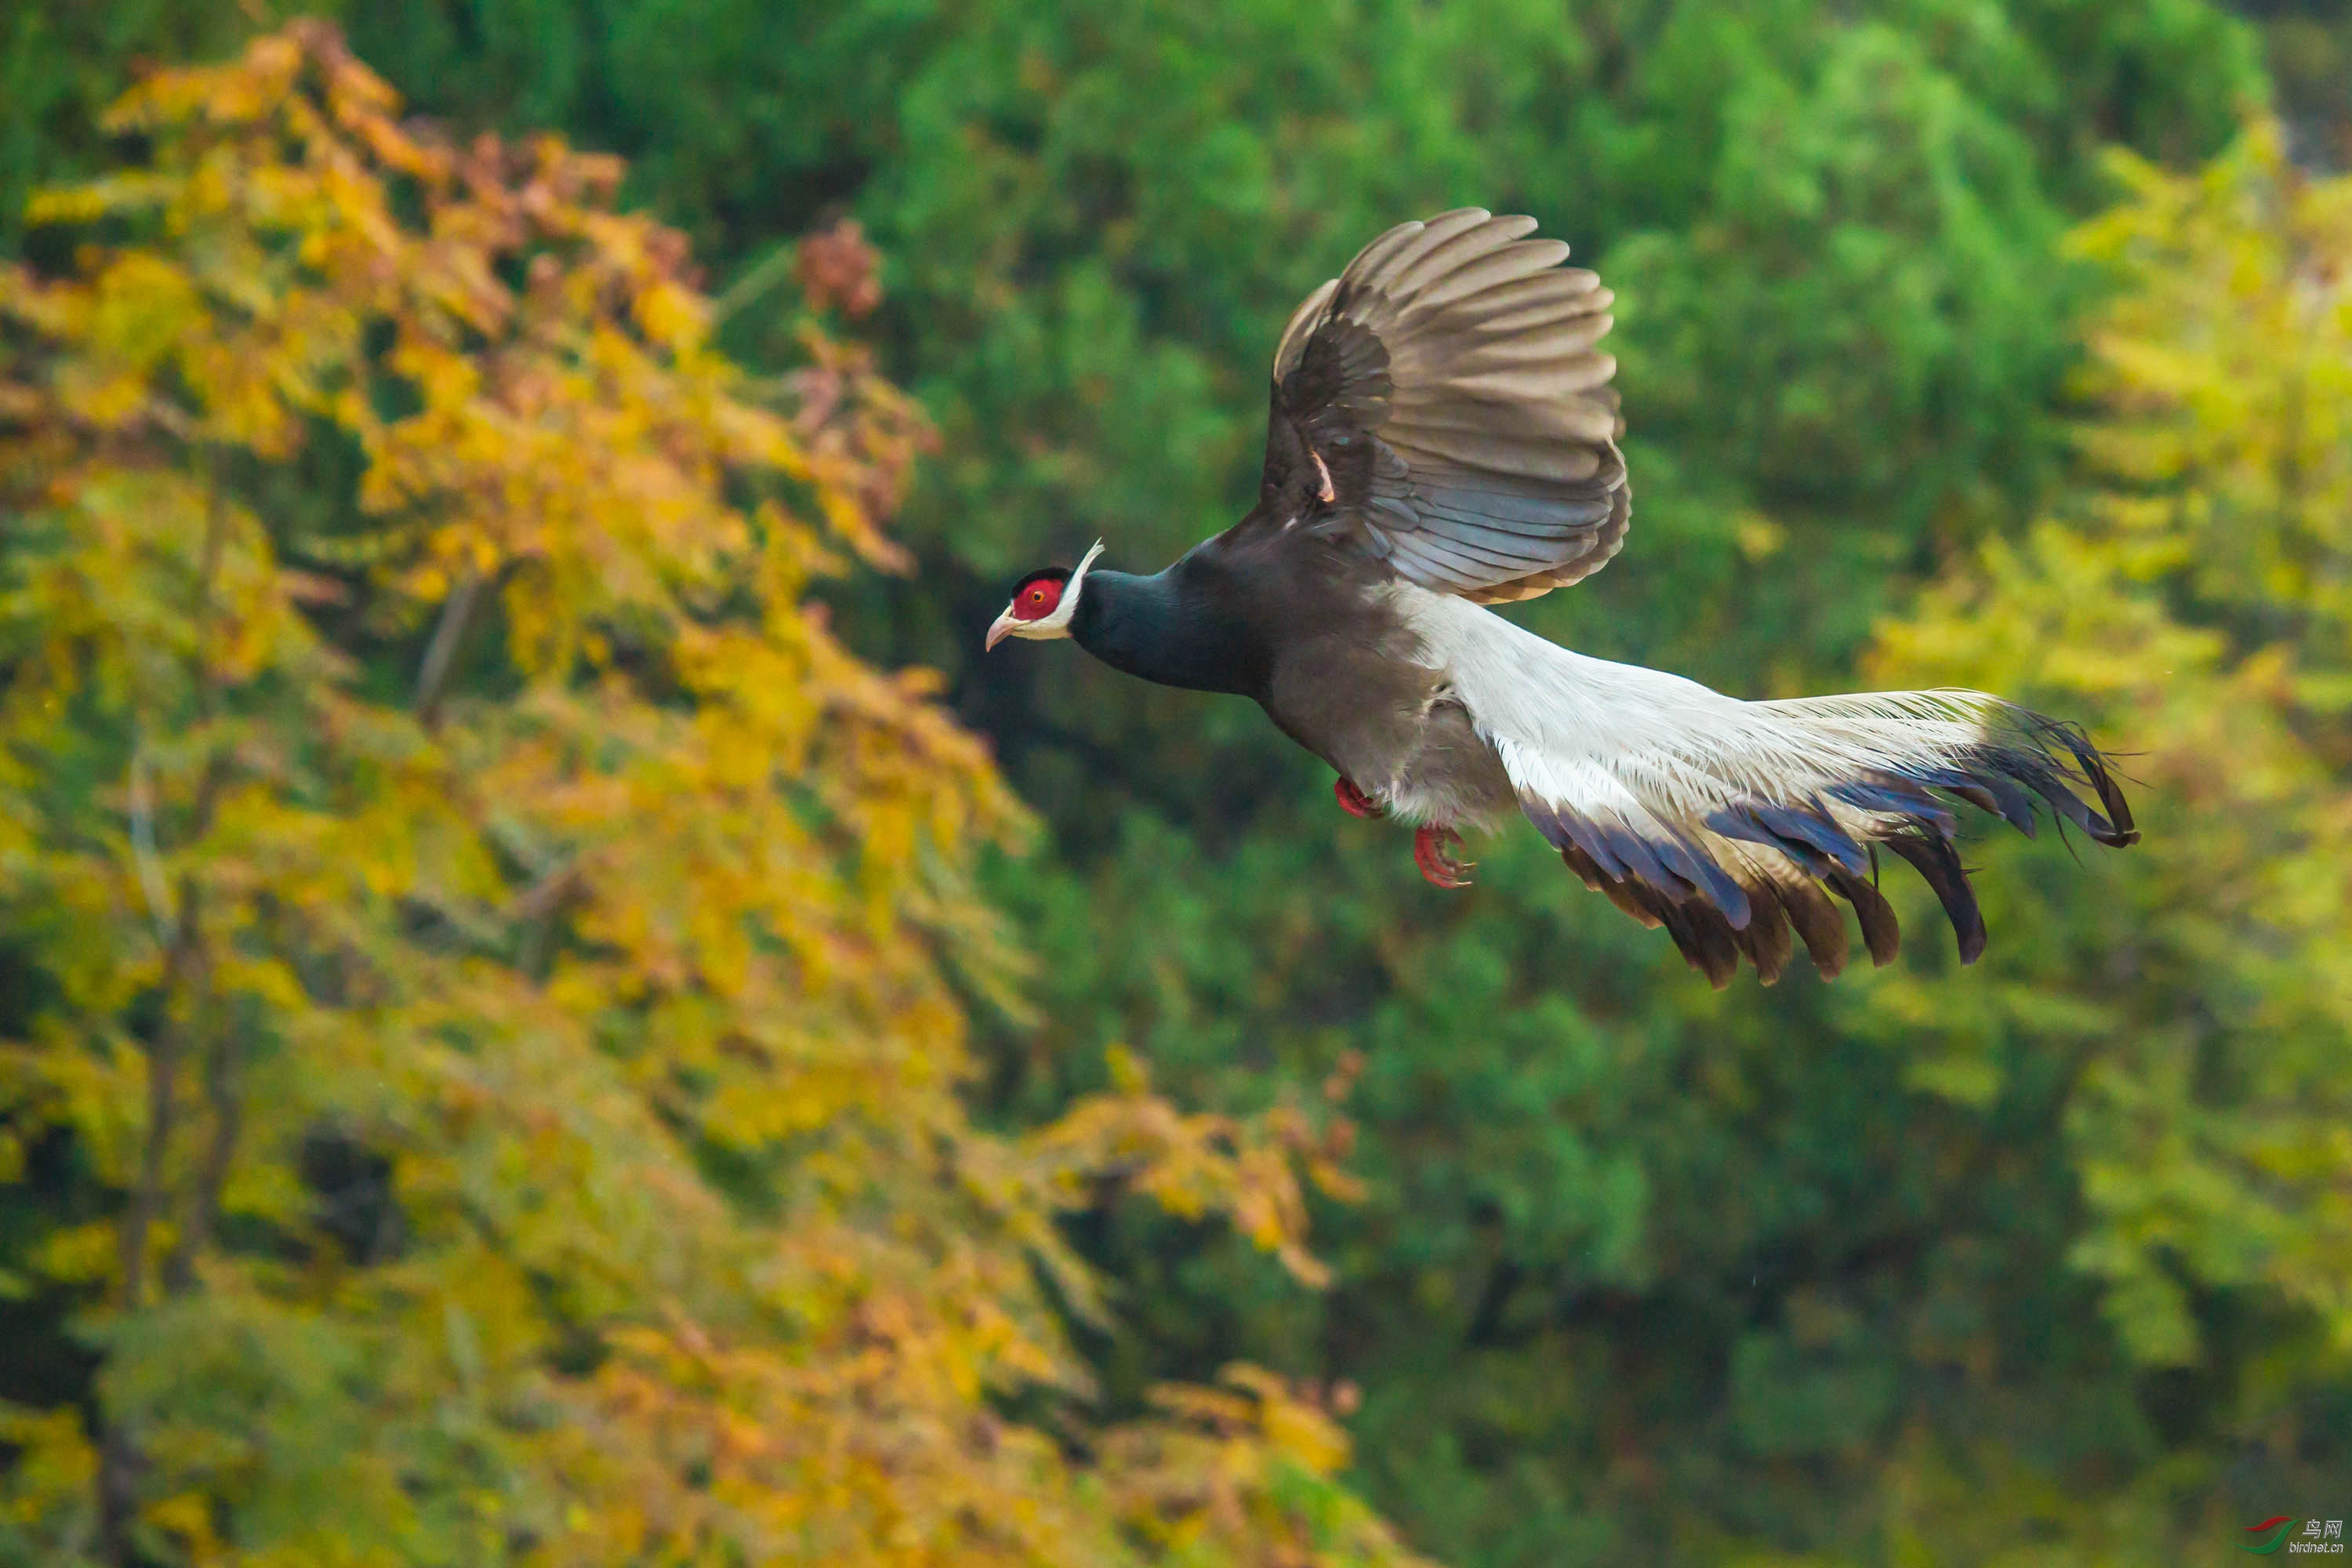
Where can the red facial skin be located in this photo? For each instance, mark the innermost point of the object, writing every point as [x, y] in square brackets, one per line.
[1037, 601]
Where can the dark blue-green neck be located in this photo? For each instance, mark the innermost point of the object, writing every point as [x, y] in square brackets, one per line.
[1166, 628]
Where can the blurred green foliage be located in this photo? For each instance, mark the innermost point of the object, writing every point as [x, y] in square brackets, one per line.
[1898, 1271]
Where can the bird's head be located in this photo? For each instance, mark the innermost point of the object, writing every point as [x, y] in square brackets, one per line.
[1043, 602]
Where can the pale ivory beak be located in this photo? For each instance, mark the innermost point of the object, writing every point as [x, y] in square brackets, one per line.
[999, 629]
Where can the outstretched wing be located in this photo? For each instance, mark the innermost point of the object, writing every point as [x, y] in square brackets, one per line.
[1441, 404]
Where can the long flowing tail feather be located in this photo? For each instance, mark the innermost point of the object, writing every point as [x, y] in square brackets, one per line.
[1730, 824]
[1738, 880]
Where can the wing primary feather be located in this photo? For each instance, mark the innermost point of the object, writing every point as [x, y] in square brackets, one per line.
[1459, 348]
[1386, 274]
[1507, 264]
[1443, 256]
[1376, 254]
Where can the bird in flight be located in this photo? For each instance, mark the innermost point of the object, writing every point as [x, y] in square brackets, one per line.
[1444, 437]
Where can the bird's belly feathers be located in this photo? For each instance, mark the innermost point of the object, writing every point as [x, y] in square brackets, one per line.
[1390, 724]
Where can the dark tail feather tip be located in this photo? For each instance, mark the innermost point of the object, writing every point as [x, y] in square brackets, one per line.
[1881, 934]
[2115, 828]
[1937, 862]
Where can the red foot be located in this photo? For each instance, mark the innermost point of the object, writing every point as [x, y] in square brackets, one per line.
[1433, 851]
[1355, 802]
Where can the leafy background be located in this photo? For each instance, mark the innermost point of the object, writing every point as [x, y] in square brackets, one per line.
[2000, 344]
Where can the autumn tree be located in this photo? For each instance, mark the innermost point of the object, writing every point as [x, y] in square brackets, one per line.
[483, 970]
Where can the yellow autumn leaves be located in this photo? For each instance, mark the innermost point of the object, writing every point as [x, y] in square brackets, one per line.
[2191, 603]
[496, 950]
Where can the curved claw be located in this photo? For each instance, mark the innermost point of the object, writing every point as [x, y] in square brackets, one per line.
[1433, 851]
[1355, 802]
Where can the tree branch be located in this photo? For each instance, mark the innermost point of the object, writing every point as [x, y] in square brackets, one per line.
[162, 1069]
[119, 1457]
[153, 885]
[212, 1173]
[754, 280]
[449, 634]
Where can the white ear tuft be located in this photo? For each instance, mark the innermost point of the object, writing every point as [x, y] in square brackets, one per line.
[1078, 576]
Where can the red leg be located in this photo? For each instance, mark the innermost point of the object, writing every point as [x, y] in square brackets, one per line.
[1433, 851]
[1355, 802]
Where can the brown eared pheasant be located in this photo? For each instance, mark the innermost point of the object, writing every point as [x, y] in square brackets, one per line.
[1443, 438]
